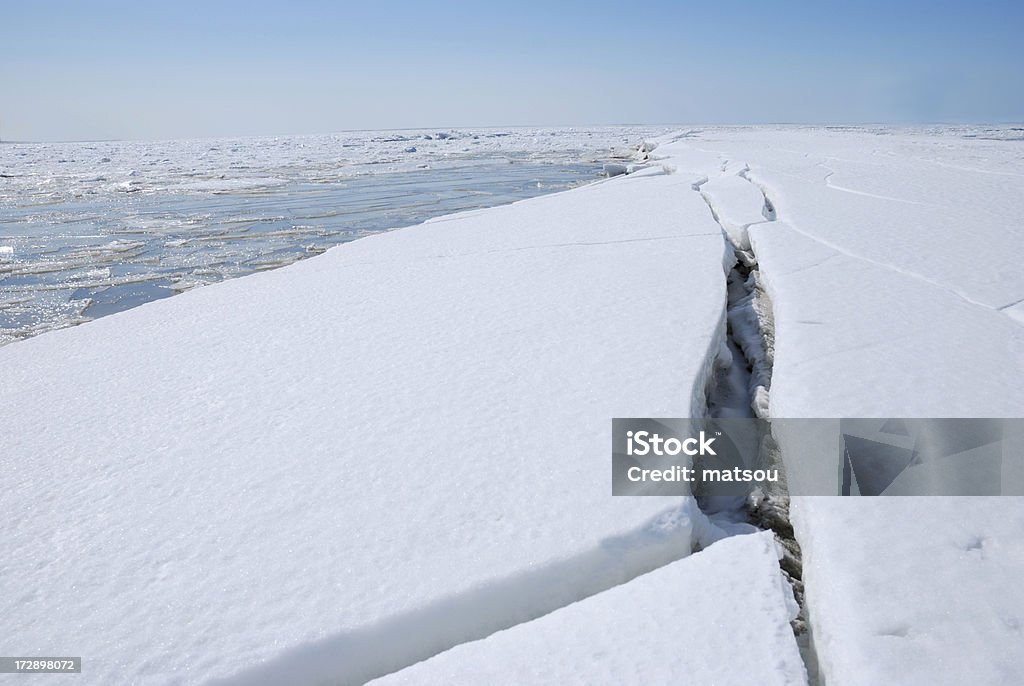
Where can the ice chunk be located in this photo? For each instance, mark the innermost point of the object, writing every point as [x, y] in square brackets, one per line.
[341, 467]
[615, 169]
[737, 204]
[718, 617]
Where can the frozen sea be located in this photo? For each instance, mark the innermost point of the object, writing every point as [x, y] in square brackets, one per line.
[88, 229]
[358, 464]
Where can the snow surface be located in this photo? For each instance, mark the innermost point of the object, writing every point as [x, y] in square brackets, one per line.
[893, 269]
[720, 616]
[336, 469]
[915, 590]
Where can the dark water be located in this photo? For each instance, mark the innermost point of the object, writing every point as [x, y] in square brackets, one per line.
[83, 255]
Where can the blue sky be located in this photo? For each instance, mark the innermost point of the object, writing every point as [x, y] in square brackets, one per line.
[88, 70]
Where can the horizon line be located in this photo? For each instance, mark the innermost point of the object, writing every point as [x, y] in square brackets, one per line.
[906, 124]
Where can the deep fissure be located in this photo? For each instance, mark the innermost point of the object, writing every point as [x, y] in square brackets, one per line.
[740, 388]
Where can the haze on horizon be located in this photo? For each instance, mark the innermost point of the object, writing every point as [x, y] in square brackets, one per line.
[118, 70]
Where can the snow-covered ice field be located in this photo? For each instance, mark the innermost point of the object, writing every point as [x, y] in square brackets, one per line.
[334, 470]
[892, 266]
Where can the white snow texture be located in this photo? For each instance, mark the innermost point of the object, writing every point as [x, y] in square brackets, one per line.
[332, 471]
